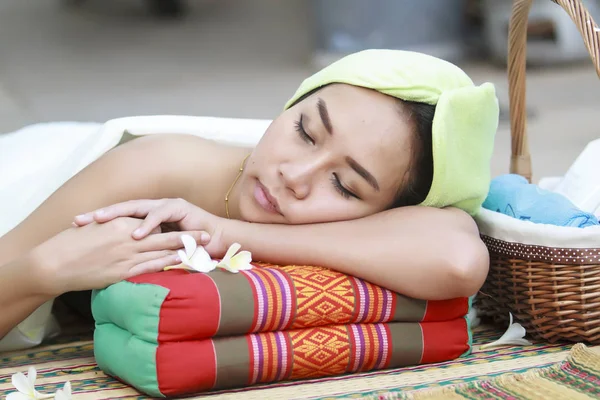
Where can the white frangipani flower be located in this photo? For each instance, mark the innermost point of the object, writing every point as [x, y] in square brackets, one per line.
[233, 262]
[193, 258]
[514, 335]
[26, 388]
[64, 393]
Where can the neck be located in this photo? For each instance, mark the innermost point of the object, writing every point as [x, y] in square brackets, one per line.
[232, 196]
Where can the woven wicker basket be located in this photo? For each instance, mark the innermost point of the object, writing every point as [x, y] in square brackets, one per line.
[548, 277]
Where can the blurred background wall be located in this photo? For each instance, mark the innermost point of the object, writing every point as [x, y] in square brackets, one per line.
[93, 60]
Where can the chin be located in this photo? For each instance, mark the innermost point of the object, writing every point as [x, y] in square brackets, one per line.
[249, 213]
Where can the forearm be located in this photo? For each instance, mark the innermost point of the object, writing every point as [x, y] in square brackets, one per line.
[422, 253]
[20, 294]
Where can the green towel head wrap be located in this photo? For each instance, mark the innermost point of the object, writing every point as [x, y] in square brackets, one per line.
[464, 124]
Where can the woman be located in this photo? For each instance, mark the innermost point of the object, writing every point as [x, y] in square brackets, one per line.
[340, 179]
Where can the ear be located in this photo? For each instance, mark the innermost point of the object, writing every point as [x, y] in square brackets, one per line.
[464, 128]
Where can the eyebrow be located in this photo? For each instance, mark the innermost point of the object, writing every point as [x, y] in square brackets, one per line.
[363, 172]
[322, 107]
[359, 169]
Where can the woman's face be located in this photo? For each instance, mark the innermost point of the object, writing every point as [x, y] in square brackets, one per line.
[340, 154]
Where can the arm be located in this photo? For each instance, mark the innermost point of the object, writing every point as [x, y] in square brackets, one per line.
[148, 167]
[420, 252]
[20, 293]
[145, 168]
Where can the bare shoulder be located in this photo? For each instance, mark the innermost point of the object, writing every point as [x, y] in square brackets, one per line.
[182, 142]
[154, 166]
[169, 161]
[170, 148]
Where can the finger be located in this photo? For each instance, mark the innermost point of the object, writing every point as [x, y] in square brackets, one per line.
[155, 264]
[172, 240]
[149, 224]
[83, 219]
[132, 208]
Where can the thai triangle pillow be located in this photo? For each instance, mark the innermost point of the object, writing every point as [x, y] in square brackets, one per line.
[176, 332]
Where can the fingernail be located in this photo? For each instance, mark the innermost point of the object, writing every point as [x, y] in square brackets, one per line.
[205, 237]
[82, 217]
[100, 213]
[177, 259]
[137, 232]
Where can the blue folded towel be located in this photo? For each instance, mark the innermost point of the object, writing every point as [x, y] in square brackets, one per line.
[513, 195]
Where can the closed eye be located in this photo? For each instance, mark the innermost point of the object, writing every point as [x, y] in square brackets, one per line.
[299, 126]
[337, 184]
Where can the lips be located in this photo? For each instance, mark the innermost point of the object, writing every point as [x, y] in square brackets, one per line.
[265, 199]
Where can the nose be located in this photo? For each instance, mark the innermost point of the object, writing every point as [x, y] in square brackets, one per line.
[297, 176]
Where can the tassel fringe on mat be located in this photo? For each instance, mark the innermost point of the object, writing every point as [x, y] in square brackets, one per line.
[578, 377]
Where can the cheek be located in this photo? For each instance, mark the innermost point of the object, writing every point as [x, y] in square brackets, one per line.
[273, 143]
[324, 205]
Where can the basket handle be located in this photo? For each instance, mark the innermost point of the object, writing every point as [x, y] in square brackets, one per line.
[520, 162]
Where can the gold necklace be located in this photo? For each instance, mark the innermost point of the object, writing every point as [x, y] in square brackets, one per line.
[233, 184]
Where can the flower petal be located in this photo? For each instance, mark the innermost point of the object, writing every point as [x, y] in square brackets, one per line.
[201, 255]
[183, 257]
[241, 261]
[17, 396]
[514, 335]
[205, 267]
[189, 244]
[235, 266]
[21, 383]
[201, 261]
[186, 262]
[231, 251]
[67, 388]
[32, 376]
[62, 394]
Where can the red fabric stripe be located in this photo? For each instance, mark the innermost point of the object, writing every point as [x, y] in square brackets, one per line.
[189, 366]
[192, 308]
[445, 310]
[444, 341]
[287, 361]
[252, 364]
[357, 304]
[351, 349]
[388, 339]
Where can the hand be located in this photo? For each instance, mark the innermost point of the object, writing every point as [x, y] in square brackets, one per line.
[169, 213]
[97, 255]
